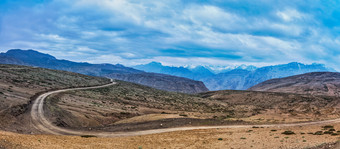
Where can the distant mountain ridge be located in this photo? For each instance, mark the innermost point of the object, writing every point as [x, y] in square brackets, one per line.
[195, 73]
[120, 72]
[239, 78]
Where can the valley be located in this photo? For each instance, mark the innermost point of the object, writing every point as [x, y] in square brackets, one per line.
[75, 104]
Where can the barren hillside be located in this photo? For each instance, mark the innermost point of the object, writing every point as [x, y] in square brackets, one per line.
[315, 83]
[19, 84]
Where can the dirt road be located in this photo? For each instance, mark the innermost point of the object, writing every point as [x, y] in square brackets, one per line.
[41, 123]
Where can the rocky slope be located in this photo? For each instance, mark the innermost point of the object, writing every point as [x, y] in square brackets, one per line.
[315, 83]
[19, 84]
[159, 81]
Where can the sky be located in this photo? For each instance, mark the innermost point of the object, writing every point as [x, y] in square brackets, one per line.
[175, 32]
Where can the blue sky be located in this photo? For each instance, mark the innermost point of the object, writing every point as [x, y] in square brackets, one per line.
[174, 32]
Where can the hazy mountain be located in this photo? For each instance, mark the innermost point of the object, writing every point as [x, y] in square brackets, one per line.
[244, 79]
[34, 58]
[236, 78]
[315, 83]
[196, 73]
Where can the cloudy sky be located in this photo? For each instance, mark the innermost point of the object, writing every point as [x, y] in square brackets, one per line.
[174, 32]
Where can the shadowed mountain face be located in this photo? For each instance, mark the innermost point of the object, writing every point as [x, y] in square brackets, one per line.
[163, 82]
[159, 81]
[10, 60]
[315, 83]
[240, 78]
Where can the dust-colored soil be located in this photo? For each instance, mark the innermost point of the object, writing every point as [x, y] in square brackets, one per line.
[132, 103]
[236, 138]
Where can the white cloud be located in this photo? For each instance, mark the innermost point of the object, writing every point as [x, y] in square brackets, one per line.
[289, 14]
[132, 31]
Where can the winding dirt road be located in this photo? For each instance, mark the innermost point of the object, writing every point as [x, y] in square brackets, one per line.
[41, 123]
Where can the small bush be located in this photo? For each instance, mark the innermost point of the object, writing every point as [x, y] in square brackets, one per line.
[332, 129]
[304, 141]
[335, 134]
[185, 115]
[328, 127]
[249, 130]
[220, 139]
[288, 132]
[243, 138]
[88, 136]
[273, 130]
[255, 127]
[328, 132]
[318, 133]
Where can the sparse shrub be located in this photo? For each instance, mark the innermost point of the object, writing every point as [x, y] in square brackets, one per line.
[220, 139]
[288, 132]
[182, 114]
[243, 138]
[276, 137]
[332, 129]
[304, 141]
[328, 127]
[249, 130]
[302, 133]
[1, 93]
[310, 133]
[318, 133]
[273, 130]
[328, 132]
[335, 134]
[255, 127]
[88, 136]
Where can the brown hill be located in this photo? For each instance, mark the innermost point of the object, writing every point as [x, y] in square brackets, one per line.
[315, 83]
[19, 84]
[162, 82]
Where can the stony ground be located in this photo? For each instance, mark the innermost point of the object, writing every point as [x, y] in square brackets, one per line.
[240, 138]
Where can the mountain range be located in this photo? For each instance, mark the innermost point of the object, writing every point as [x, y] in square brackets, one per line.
[239, 78]
[178, 79]
[120, 72]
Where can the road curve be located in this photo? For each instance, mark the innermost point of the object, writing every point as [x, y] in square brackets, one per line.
[41, 123]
